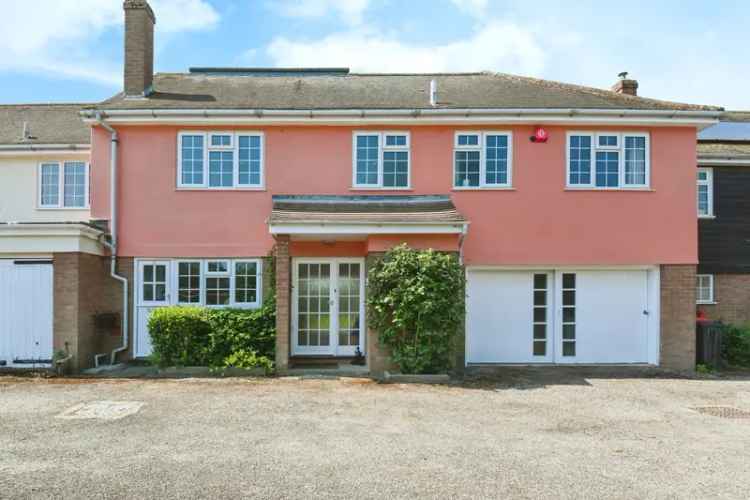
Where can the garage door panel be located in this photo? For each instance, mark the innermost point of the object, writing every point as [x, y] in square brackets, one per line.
[25, 312]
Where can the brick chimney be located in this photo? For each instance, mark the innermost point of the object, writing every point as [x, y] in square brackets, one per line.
[625, 85]
[139, 47]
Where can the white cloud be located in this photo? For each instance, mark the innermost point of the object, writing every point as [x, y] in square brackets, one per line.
[350, 11]
[55, 36]
[496, 46]
[476, 8]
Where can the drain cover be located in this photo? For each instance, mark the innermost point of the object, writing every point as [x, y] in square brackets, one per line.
[723, 411]
[102, 410]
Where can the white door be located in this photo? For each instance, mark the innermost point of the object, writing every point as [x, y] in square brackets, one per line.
[26, 315]
[152, 291]
[509, 317]
[584, 317]
[327, 307]
[602, 317]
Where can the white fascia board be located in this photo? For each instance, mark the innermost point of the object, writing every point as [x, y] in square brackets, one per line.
[364, 229]
[700, 119]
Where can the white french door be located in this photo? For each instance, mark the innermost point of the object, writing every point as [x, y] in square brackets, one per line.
[328, 306]
[153, 291]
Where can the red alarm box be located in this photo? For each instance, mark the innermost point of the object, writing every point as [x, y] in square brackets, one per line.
[540, 135]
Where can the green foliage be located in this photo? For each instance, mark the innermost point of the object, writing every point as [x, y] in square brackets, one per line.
[736, 345]
[416, 304]
[197, 336]
[703, 369]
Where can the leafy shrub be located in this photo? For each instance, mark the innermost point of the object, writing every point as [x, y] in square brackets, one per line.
[197, 336]
[736, 345]
[416, 304]
[179, 336]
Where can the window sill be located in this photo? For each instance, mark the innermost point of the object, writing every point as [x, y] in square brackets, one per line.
[78, 209]
[378, 188]
[707, 303]
[708, 217]
[221, 189]
[611, 190]
[484, 188]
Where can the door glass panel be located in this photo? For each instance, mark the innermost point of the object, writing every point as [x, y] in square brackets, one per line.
[154, 286]
[349, 302]
[569, 314]
[539, 341]
[313, 301]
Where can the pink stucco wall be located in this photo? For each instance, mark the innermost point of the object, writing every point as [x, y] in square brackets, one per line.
[539, 222]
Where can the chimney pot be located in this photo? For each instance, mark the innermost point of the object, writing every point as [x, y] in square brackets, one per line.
[139, 47]
[625, 85]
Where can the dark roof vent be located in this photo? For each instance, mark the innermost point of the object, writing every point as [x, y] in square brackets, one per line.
[298, 72]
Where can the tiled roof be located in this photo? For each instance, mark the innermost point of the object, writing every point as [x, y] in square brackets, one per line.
[45, 124]
[430, 209]
[378, 91]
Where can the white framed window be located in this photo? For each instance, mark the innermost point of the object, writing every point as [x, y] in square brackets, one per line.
[220, 160]
[63, 185]
[218, 282]
[189, 290]
[482, 159]
[705, 192]
[705, 288]
[381, 160]
[607, 160]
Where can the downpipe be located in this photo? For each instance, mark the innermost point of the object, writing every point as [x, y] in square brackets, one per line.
[112, 244]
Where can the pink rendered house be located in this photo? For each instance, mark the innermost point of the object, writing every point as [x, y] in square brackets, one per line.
[580, 249]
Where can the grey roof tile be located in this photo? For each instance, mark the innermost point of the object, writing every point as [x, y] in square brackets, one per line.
[46, 124]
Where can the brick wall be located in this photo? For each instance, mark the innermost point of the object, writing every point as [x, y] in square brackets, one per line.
[732, 297]
[139, 46]
[378, 357]
[82, 289]
[678, 317]
[283, 291]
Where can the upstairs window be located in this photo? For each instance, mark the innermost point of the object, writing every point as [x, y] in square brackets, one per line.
[705, 192]
[381, 160]
[220, 160]
[482, 160]
[608, 160]
[705, 288]
[64, 185]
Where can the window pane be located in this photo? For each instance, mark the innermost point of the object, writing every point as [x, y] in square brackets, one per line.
[189, 282]
[467, 169]
[635, 160]
[395, 140]
[218, 266]
[468, 140]
[496, 162]
[608, 140]
[192, 159]
[607, 168]
[220, 168]
[221, 140]
[367, 159]
[569, 280]
[217, 291]
[703, 206]
[580, 160]
[245, 284]
[249, 160]
[540, 348]
[395, 168]
[540, 281]
[569, 348]
[50, 184]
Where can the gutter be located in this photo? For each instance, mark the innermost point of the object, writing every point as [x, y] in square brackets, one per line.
[113, 244]
[699, 118]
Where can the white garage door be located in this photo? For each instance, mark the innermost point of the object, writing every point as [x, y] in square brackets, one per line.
[564, 316]
[25, 313]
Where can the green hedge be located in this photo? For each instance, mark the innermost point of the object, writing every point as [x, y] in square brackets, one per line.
[198, 336]
[736, 345]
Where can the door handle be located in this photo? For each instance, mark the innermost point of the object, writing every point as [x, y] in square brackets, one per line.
[646, 312]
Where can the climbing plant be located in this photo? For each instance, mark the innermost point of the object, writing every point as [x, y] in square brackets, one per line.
[416, 305]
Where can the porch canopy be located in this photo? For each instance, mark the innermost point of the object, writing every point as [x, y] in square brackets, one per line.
[351, 218]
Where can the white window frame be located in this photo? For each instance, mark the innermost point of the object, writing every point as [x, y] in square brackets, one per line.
[230, 273]
[382, 148]
[482, 148]
[60, 205]
[709, 182]
[620, 149]
[711, 299]
[234, 148]
[201, 288]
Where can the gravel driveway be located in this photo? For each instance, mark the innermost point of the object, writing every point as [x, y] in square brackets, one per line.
[574, 437]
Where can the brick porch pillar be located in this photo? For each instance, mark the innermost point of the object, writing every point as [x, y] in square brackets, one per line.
[283, 289]
[678, 317]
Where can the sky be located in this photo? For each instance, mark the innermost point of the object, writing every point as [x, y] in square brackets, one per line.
[683, 50]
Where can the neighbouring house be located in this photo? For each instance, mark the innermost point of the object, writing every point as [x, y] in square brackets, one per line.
[53, 279]
[572, 208]
[723, 184]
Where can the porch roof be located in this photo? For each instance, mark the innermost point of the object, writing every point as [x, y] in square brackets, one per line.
[365, 214]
